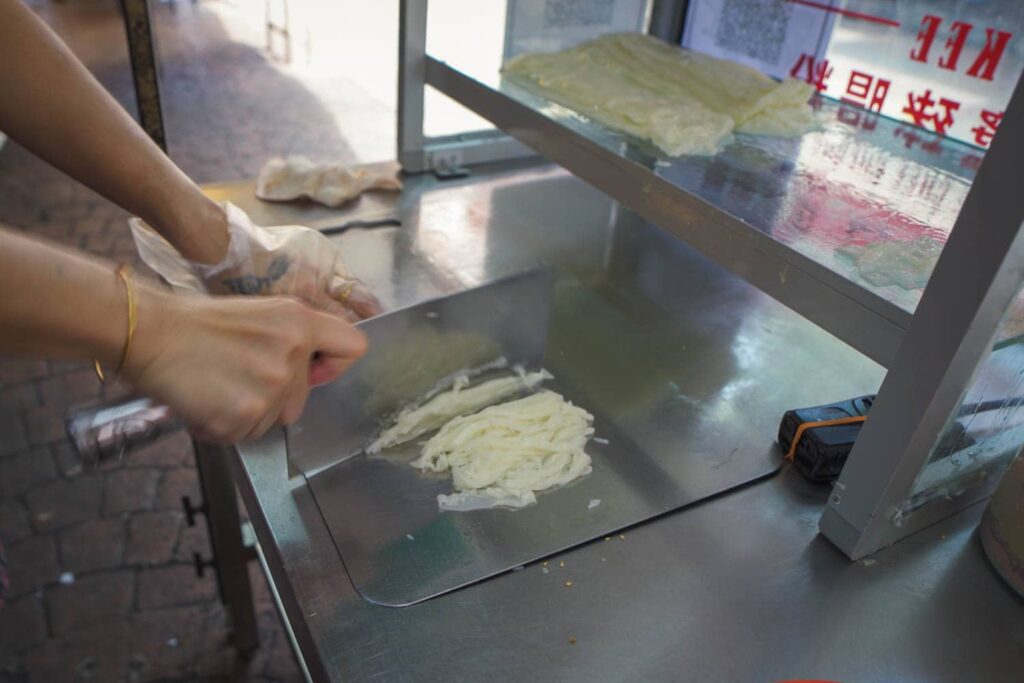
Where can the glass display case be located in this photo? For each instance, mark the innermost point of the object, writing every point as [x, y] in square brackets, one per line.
[822, 222]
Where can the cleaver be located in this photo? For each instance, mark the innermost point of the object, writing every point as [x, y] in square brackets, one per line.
[416, 350]
[411, 350]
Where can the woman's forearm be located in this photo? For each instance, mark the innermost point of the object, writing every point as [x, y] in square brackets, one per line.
[59, 303]
[54, 107]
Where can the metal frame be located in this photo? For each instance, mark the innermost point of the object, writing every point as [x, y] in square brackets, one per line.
[952, 332]
[231, 556]
[271, 561]
[142, 53]
[416, 152]
[667, 19]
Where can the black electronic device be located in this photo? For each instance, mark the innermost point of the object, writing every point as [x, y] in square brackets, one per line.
[825, 434]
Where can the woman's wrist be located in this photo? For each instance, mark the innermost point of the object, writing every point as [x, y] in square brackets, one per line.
[196, 226]
[158, 316]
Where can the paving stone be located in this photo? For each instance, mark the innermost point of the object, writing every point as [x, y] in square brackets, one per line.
[22, 624]
[64, 502]
[191, 540]
[174, 585]
[130, 490]
[96, 544]
[44, 425]
[12, 432]
[175, 484]
[25, 470]
[90, 600]
[174, 450]
[14, 524]
[71, 389]
[12, 669]
[158, 645]
[152, 537]
[281, 664]
[66, 459]
[166, 641]
[33, 563]
[17, 370]
[19, 396]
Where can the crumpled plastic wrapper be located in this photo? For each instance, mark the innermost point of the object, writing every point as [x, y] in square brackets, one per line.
[290, 260]
[282, 180]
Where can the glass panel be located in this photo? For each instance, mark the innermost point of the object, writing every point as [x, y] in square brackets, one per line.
[485, 33]
[853, 196]
[550, 25]
[246, 81]
[869, 197]
[943, 65]
[461, 31]
[987, 430]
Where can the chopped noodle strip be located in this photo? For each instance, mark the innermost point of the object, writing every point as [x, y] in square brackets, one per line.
[459, 401]
[505, 453]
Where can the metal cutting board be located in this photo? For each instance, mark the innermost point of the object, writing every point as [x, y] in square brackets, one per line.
[400, 549]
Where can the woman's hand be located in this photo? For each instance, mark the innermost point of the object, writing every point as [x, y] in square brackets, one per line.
[233, 367]
[288, 260]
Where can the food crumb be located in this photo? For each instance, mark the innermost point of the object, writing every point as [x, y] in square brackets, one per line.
[410, 537]
[594, 502]
[869, 563]
[607, 538]
[544, 569]
[622, 537]
[561, 564]
[572, 640]
[568, 584]
[545, 564]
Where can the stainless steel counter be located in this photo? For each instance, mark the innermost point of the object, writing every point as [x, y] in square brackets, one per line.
[738, 588]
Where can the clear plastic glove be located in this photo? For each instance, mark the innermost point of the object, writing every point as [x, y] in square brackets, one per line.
[282, 260]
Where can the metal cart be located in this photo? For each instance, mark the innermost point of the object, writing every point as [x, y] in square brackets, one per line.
[726, 252]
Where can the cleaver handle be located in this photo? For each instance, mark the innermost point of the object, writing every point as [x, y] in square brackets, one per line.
[110, 430]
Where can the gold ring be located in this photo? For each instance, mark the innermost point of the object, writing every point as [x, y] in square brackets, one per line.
[346, 292]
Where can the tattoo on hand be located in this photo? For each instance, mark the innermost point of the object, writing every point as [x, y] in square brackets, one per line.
[256, 284]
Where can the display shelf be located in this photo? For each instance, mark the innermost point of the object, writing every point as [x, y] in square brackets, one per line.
[783, 213]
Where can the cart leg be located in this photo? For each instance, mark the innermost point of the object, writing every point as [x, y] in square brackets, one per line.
[142, 52]
[230, 555]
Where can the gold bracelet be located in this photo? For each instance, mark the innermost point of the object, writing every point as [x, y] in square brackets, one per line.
[124, 271]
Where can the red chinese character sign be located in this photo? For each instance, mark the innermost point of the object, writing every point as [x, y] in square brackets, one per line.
[943, 66]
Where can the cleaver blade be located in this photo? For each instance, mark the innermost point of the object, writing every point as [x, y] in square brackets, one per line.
[414, 350]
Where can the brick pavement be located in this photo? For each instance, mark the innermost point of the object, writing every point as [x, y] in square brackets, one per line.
[102, 585]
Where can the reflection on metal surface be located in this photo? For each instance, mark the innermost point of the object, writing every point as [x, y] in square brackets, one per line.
[679, 592]
[685, 369]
